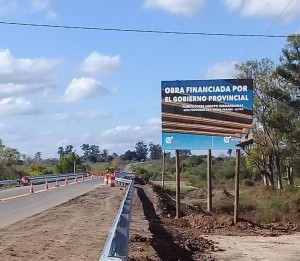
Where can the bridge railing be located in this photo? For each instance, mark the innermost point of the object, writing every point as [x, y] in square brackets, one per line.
[117, 243]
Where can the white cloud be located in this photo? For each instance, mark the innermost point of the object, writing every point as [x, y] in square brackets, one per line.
[262, 8]
[97, 64]
[8, 7]
[221, 70]
[124, 137]
[43, 6]
[84, 88]
[78, 117]
[14, 106]
[23, 75]
[185, 7]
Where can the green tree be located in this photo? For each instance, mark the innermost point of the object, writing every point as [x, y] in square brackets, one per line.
[69, 149]
[86, 149]
[61, 152]
[141, 151]
[67, 163]
[129, 155]
[105, 153]
[38, 156]
[290, 61]
[274, 120]
[155, 151]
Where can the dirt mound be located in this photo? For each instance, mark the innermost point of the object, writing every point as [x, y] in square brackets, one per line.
[205, 221]
[167, 204]
[197, 193]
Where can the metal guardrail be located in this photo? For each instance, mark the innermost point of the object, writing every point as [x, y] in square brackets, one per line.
[10, 182]
[42, 178]
[117, 243]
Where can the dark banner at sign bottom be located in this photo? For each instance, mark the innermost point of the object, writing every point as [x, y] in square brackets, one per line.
[177, 141]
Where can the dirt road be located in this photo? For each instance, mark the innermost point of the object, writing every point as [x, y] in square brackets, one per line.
[280, 248]
[76, 230]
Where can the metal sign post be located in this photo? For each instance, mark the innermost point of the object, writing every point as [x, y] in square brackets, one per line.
[237, 186]
[209, 193]
[177, 184]
[163, 170]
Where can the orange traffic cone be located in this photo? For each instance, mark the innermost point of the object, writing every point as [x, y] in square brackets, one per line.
[66, 182]
[31, 191]
[46, 185]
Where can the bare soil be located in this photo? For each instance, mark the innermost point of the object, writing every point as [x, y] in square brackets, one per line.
[200, 236]
[76, 230]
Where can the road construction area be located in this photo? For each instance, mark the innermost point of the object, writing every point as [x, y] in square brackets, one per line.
[77, 230]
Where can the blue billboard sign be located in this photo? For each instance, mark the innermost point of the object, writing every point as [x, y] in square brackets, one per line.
[205, 114]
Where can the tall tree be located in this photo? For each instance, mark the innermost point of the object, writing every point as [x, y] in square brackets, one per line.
[155, 151]
[38, 156]
[69, 149]
[105, 153]
[129, 155]
[61, 152]
[273, 119]
[66, 164]
[141, 151]
[290, 61]
[86, 149]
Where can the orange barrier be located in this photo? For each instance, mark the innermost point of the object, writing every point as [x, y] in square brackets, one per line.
[105, 182]
[111, 180]
[31, 191]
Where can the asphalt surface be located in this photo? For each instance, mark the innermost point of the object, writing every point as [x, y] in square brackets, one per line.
[17, 203]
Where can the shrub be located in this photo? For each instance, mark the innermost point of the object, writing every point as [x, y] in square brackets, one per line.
[248, 182]
[272, 209]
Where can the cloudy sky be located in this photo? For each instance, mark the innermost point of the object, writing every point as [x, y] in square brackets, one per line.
[73, 86]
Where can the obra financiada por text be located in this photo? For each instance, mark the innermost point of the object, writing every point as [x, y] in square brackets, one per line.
[207, 89]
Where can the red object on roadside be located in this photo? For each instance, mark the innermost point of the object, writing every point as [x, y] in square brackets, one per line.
[66, 182]
[31, 191]
[76, 180]
[105, 182]
[111, 180]
[46, 185]
[25, 181]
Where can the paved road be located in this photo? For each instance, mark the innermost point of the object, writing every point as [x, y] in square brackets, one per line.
[18, 208]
